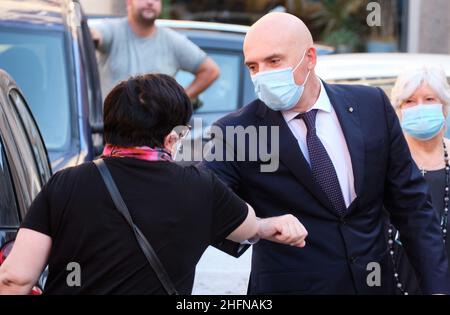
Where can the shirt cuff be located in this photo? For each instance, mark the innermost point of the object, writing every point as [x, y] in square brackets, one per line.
[251, 241]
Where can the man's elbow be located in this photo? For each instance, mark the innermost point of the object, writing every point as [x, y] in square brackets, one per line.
[215, 72]
[211, 69]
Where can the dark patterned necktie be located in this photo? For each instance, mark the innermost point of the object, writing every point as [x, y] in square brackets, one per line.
[321, 165]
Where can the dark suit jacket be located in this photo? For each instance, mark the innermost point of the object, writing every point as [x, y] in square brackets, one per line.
[338, 251]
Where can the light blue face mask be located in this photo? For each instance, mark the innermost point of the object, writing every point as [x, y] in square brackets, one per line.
[277, 88]
[423, 122]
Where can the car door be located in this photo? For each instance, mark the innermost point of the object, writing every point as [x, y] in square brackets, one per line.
[221, 98]
[89, 60]
[24, 164]
[9, 210]
[232, 90]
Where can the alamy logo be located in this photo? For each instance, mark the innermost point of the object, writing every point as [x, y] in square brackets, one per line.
[74, 277]
[374, 277]
[374, 17]
[232, 143]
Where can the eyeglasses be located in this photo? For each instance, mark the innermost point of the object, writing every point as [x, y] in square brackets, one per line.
[182, 131]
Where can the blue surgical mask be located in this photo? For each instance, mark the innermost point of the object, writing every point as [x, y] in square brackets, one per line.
[277, 88]
[423, 122]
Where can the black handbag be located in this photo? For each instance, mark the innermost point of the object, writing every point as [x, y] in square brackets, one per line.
[147, 249]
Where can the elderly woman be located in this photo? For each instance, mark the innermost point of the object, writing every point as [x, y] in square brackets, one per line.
[421, 99]
[75, 228]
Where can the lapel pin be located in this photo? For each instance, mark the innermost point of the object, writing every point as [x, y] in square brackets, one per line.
[351, 110]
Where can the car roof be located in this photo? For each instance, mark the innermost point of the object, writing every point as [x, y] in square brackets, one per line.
[39, 13]
[203, 26]
[194, 26]
[376, 65]
[208, 31]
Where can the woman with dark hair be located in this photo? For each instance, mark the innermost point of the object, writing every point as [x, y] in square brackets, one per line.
[75, 228]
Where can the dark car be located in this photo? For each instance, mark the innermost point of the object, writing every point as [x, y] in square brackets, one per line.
[47, 48]
[24, 164]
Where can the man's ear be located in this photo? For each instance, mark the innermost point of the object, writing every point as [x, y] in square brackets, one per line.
[170, 140]
[312, 54]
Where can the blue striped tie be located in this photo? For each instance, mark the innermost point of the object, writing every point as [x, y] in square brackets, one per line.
[321, 165]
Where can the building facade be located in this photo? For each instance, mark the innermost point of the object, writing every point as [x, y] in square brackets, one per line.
[417, 26]
[429, 26]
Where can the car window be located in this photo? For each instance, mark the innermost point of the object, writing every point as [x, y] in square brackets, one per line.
[222, 95]
[9, 216]
[36, 61]
[34, 138]
[23, 146]
[92, 73]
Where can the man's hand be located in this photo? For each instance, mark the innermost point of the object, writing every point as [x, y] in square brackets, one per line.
[285, 229]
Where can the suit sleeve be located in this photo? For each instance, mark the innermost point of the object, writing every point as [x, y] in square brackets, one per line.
[221, 160]
[409, 204]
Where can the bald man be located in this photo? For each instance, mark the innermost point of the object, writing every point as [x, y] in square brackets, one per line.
[343, 158]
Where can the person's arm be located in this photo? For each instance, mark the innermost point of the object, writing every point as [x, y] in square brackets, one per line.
[248, 229]
[22, 268]
[192, 59]
[284, 229]
[207, 73]
[409, 204]
[235, 222]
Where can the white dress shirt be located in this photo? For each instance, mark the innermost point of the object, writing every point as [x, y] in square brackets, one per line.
[330, 134]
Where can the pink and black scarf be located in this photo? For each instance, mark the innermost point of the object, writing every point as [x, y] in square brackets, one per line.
[140, 153]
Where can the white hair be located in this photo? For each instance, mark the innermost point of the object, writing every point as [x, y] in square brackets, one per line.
[408, 82]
